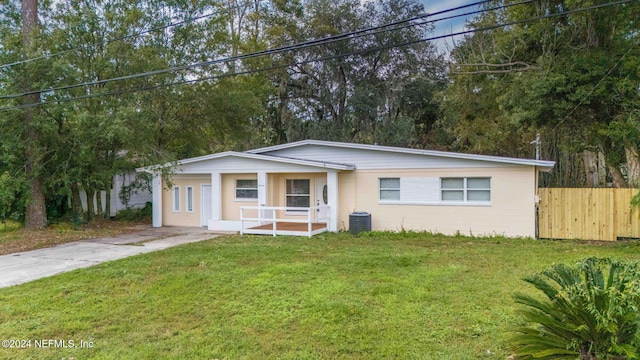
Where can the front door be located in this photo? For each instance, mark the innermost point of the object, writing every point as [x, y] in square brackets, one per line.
[321, 198]
[205, 205]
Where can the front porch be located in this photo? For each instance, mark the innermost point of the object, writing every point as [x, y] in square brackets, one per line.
[276, 220]
[210, 192]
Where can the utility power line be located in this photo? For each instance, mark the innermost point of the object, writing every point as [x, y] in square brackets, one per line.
[322, 59]
[311, 43]
[597, 85]
[203, 17]
[174, 24]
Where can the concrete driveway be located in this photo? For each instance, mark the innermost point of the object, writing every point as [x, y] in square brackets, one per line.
[27, 266]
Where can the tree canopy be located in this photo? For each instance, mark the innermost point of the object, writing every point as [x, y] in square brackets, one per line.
[120, 84]
[571, 75]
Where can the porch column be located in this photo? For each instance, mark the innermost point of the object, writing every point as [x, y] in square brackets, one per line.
[262, 188]
[216, 196]
[332, 194]
[156, 200]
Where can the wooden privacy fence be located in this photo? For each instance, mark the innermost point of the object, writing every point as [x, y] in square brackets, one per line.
[587, 214]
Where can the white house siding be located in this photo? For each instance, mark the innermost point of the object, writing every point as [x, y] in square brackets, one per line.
[511, 212]
[236, 164]
[371, 159]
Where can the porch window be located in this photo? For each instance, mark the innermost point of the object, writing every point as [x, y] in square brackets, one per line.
[246, 189]
[176, 199]
[189, 198]
[298, 193]
[466, 189]
[389, 189]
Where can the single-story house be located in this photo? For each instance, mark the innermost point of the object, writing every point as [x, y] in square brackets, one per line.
[311, 186]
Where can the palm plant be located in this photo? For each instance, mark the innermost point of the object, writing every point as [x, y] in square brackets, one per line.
[589, 312]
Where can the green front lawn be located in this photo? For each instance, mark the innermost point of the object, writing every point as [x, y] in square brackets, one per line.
[397, 296]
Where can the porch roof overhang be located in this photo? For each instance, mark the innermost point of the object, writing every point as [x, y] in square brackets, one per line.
[244, 155]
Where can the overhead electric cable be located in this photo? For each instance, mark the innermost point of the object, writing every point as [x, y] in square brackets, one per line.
[298, 46]
[363, 51]
[208, 15]
[606, 75]
[174, 24]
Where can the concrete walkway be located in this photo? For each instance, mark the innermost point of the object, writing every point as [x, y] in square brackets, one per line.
[19, 268]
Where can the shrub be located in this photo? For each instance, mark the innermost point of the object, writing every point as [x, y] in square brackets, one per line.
[589, 311]
[135, 214]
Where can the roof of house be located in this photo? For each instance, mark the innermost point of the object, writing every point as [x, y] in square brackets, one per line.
[275, 154]
[544, 165]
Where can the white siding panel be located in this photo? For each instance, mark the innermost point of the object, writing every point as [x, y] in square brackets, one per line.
[239, 165]
[420, 189]
[368, 159]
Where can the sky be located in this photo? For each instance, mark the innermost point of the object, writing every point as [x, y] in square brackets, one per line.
[448, 26]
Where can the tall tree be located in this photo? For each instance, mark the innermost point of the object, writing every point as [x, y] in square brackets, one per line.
[36, 214]
[571, 77]
[350, 89]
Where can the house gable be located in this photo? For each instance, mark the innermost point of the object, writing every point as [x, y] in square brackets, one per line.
[246, 162]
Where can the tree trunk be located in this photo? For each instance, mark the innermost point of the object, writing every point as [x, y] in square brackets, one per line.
[36, 212]
[602, 169]
[100, 213]
[91, 209]
[618, 179]
[76, 203]
[107, 201]
[633, 174]
[590, 167]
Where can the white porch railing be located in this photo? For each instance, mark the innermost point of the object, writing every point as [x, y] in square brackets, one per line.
[268, 215]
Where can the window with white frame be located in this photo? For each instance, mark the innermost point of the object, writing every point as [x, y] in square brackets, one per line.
[298, 193]
[189, 198]
[176, 199]
[246, 189]
[389, 189]
[472, 189]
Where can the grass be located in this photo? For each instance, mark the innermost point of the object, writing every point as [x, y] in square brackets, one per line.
[334, 296]
[8, 225]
